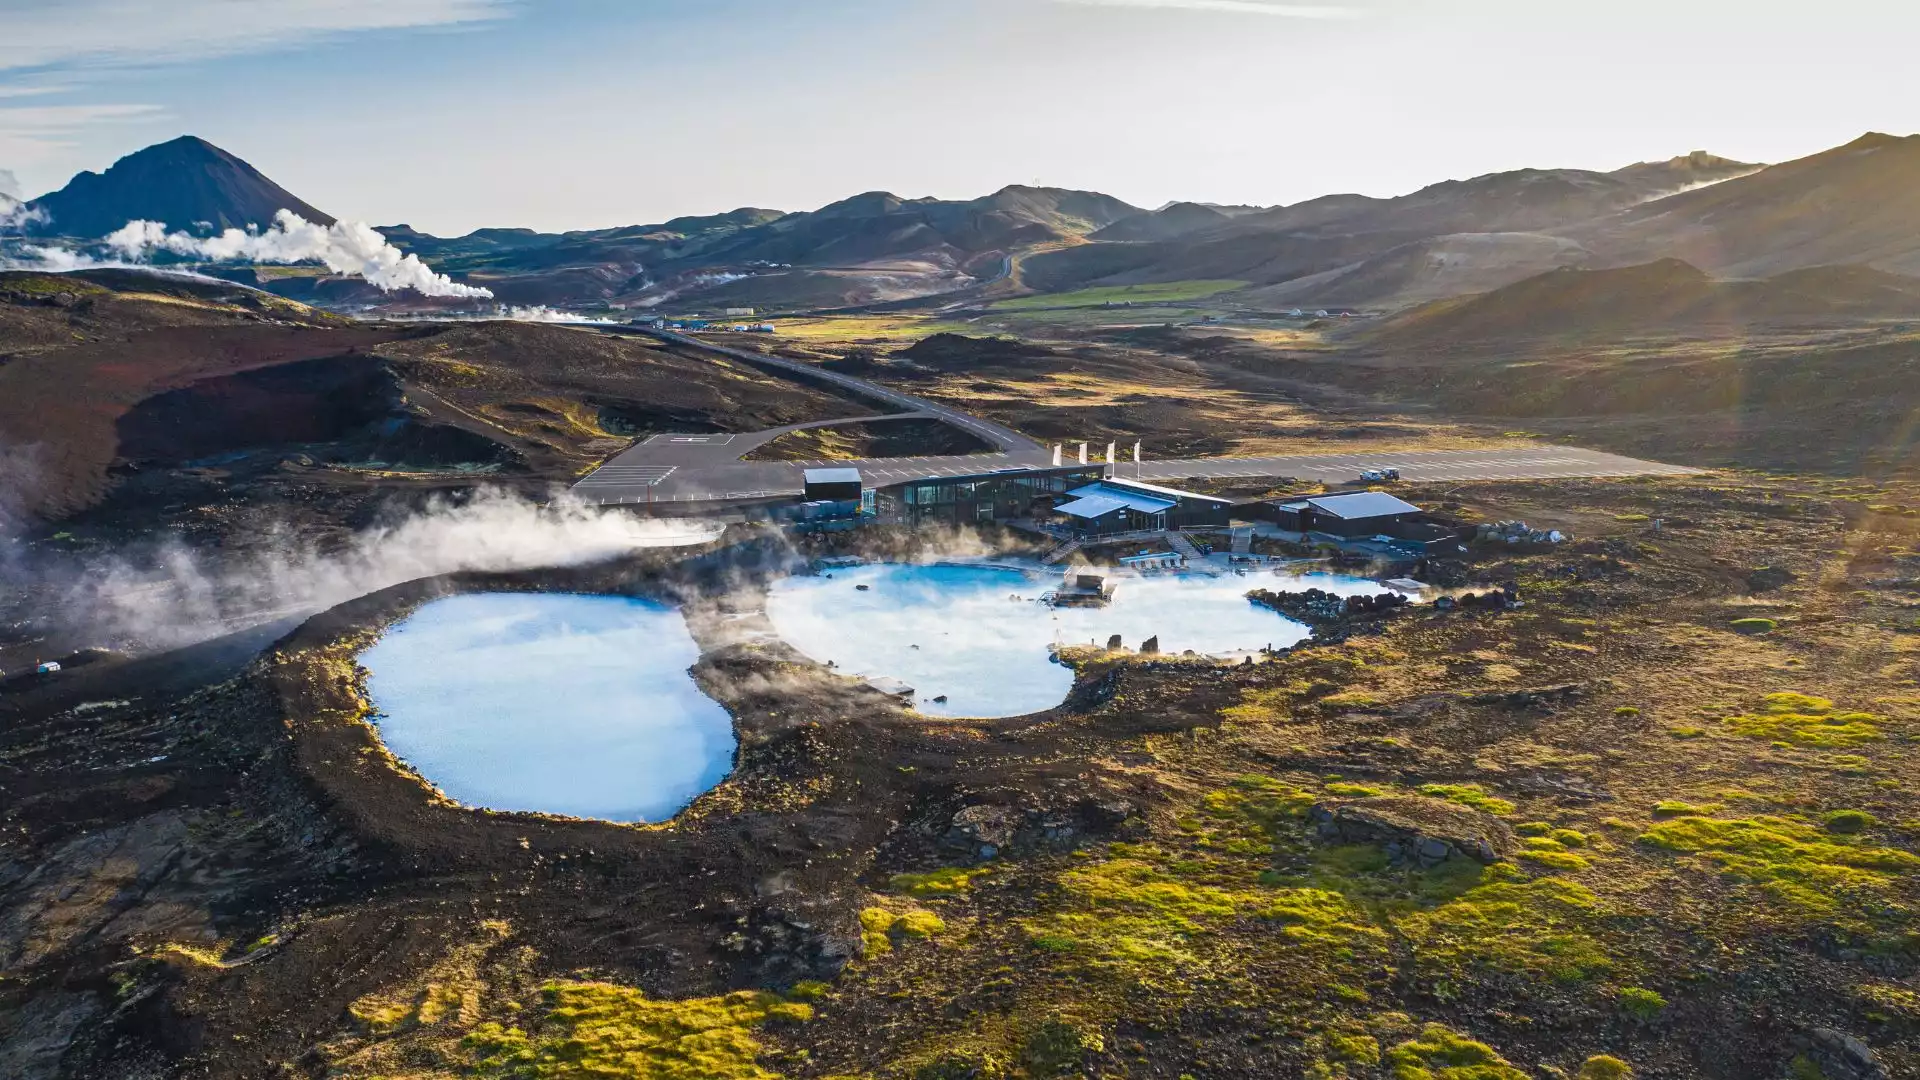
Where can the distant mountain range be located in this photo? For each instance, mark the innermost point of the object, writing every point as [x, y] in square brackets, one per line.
[1855, 205]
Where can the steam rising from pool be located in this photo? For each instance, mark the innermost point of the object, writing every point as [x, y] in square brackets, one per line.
[575, 705]
[957, 631]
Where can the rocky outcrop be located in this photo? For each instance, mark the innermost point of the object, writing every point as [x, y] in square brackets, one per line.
[1843, 1057]
[779, 948]
[987, 831]
[1415, 831]
[1318, 608]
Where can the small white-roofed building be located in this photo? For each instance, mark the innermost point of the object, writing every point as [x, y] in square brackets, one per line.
[832, 485]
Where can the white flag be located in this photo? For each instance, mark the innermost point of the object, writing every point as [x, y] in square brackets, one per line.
[1136, 451]
[1110, 449]
[1083, 453]
[1056, 455]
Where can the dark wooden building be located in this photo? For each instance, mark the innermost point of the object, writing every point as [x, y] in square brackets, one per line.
[1353, 515]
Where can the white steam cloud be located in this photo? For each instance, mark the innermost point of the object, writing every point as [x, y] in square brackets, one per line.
[542, 313]
[54, 260]
[175, 596]
[15, 214]
[346, 247]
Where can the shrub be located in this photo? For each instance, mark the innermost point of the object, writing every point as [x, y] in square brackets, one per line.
[1058, 1047]
[1848, 822]
[1626, 711]
[1754, 627]
[1360, 1049]
[1604, 1067]
[1641, 1002]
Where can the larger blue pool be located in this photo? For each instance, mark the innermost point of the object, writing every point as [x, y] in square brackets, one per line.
[977, 637]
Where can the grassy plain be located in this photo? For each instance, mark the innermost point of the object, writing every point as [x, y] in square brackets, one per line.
[1158, 294]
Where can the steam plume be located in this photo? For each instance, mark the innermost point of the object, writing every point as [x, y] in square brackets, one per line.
[15, 214]
[346, 247]
[541, 313]
[173, 596]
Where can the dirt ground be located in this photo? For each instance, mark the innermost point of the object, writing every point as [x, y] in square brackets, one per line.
[907, 437]
[1134, 387]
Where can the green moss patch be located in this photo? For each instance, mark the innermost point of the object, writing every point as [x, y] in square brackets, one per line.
[1440, 1053]
[1806, 721]
[1353, 791]
[1806, 869]
[1543, 928]
[1468, 795]
[597, 1029]
[946, 881]
[881, 927]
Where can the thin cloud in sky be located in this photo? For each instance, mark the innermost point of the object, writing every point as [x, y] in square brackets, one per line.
[53, 33]
[1236, 7]
[28, 134]
[57, 47]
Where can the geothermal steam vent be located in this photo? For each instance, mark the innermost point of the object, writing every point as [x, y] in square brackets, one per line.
[561, 704]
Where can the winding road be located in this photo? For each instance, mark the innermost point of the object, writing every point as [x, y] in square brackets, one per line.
[706, 468]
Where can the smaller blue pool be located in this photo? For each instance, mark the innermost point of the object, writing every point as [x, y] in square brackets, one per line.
[561, 704]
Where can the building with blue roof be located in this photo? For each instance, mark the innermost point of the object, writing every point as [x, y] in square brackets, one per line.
[1113, 505]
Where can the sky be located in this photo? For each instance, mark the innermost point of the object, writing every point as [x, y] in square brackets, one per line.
[568, 114]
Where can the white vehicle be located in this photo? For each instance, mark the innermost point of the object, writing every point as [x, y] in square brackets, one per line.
[1379, 476]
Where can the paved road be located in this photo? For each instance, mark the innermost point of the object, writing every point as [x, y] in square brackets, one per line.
[1007, 439]
[707, 468]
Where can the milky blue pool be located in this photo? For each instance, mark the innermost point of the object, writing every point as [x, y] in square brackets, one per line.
[956, 631]
[575, 705]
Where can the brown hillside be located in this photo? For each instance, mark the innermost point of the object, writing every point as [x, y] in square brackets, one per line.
[1659, 296]
[1859, 203]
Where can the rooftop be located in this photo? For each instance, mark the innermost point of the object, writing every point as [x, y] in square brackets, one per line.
[1357, 505]
[1174, 493]
[832, 476]
[1133, 500]
[1092, 506]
